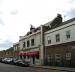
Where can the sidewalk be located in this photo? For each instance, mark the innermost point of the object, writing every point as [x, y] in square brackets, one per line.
[57, 68]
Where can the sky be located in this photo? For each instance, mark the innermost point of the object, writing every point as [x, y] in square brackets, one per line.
[16, 16]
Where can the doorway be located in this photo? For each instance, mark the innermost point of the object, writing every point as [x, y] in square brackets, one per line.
[33, 59]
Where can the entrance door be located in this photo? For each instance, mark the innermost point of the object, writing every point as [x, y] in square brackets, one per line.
[33, 59]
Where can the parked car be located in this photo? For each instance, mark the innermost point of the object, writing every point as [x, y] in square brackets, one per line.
[8, 60]
[4, 60]
[15, 61]
[1, 59]
[24, 63]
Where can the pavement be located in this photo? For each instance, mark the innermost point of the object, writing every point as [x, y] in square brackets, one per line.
[57, 68]
[13, 68]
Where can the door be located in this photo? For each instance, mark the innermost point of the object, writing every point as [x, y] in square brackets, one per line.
[33, 59]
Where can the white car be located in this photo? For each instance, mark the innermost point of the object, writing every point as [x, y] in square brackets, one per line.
[4, 59]
[8, 60]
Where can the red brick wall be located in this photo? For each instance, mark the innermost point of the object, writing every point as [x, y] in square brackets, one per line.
[61, 49]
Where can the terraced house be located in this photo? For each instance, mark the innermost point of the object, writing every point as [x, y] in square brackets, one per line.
[16, 48]
[30, 45]
[7, 53]
[50, 44]
[60, 44]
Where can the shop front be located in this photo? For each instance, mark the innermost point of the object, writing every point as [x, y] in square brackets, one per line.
[33, 57]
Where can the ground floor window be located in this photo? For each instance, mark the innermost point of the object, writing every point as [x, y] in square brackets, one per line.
[68, 56]
[28, 57]
[37, 56]
[24, 57]
[57, 57]
[20, 57]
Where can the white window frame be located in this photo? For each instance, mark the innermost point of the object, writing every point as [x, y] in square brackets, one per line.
[68, 56]
[57, 37]
[68, 34]
[48, 38]
[57, 57]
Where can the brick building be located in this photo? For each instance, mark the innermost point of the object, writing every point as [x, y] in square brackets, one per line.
[7, 53]
[16, 49]
[60, 44]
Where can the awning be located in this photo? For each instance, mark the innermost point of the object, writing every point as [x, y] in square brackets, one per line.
[35, 53]
[32, 53]
[16, 54]
[28, 54]
[21, 54]
[24, 54]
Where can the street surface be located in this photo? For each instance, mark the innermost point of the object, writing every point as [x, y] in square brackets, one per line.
[13, 68]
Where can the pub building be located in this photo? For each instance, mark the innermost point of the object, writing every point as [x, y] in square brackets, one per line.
[50, 44]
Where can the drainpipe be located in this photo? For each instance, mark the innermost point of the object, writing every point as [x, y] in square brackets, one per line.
[42, 51]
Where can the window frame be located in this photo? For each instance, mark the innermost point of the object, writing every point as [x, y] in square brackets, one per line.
[57, 36]
[68, 34]
[49, 40]
[57, 57]
[32, 42]
[28, 43]
[24, 44]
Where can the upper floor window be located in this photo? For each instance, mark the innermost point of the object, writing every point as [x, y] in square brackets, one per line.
[28, 43]
[49, 40]
[15, 47]
[57, 37]
[68, 34]
[24, 44]
[32, 42]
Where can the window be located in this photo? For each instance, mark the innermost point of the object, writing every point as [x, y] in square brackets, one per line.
[27, 57]
[20, 57]
[49, 40]
[57, 57]
[68, 34]
[32, 42]
[24, 44]
[28, 43]
[37, 57]
[15, 47]
[24, 57]
[68, 56]
[57, 37]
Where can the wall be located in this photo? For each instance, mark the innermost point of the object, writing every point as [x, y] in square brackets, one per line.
[62, 47]
[62, 31]
[37, 41]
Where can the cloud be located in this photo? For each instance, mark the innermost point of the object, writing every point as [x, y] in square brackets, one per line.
[6, 44]
[14, 12]
[0, 12]
[1, 22]
[71, 1]
[70, 14]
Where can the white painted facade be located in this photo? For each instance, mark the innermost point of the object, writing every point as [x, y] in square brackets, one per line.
[16, 46]
[36, 38]
[36, 47]
[62, 31]
[50, 34]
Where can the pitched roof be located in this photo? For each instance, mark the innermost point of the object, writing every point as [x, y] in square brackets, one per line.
[60, 24]
[10, 49]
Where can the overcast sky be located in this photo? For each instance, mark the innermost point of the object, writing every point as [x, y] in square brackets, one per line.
[17, 15]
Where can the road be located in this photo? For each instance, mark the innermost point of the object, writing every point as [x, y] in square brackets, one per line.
[13, 68]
